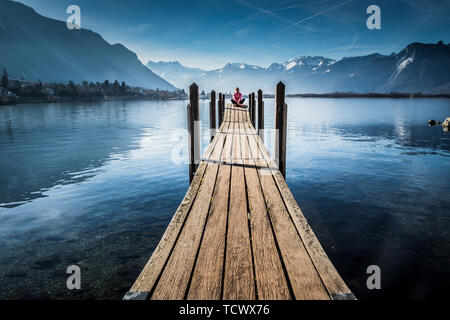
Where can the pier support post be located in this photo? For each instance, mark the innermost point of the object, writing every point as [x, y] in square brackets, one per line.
[260, 115]
[253, 110]
[219, 106]
[212, 114]
[194, 131]
[280, 127]
[224, 95]
[250, 107]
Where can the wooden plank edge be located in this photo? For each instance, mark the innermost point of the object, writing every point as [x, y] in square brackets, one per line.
[316, 289]
[147, 279]
[334, 283]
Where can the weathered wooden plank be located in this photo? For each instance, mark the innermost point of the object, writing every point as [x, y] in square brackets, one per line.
[270, 280]
[174, 279]
[149, 274]
[303, 277]
[226, 117]
[328, 273]
[228, 151]
[277, 256]
[238, 278]
[206, 280]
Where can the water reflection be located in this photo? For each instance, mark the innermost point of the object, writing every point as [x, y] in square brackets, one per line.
[95, 185]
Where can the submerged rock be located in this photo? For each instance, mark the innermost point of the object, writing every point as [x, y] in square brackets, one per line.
[445, 125]
[446, 122]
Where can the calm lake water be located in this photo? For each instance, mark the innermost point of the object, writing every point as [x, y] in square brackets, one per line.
[97, 184]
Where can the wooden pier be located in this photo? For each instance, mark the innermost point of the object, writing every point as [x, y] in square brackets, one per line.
[239, 233]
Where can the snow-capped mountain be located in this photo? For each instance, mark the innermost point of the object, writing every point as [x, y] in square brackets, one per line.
[240, 66]
[302, 64]
[417, 68]
[182, 76]
[238, 73]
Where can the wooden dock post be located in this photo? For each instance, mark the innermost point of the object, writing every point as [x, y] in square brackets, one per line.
[219, 106]
[250, 106]
[222, 108]
[194, 130]
[212, 114]
[223, 103]
[280, 127]
[253, 110]
[260, 115]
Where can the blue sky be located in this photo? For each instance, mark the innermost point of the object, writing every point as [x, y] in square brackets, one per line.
[208, 34]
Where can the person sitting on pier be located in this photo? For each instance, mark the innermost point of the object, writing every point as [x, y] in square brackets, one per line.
[237, 98]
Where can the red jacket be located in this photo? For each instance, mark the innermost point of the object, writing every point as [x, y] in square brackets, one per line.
[237, 96]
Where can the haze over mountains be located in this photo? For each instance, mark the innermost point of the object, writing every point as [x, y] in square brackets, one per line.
[34, 47]
[417, 68]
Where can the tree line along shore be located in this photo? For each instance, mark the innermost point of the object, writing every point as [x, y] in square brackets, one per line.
[14, 91]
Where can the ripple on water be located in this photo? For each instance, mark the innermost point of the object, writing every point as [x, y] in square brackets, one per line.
[96, 185]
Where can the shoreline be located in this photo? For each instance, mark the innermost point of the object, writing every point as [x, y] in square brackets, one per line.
[368, 95]
[340, 95]
[89, 100]
[269, 96]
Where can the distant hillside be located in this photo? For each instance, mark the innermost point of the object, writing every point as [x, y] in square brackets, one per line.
[175, 72]
[35, 47]
[417, 68]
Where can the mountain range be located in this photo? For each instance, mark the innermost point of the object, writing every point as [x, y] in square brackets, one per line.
[34, 47]
[418, 67]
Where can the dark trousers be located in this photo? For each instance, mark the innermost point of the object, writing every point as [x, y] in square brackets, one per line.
[240, 102]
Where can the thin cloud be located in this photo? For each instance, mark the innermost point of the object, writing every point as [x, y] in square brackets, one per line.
[429, 10]
[351, 46]
[302, 5]
[296, 24]
[243, 32]
[271, 13]
[139, 27]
